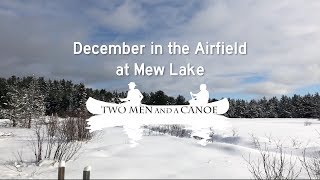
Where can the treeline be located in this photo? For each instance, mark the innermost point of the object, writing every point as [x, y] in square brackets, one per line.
[29, 97]
[307, 106]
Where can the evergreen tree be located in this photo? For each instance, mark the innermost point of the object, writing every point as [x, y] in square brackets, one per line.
[180, 100]
[272, 108]
[253, 109]
[308, 105]
[296, 103]
[240, 109]
[80, 98]
[285, 108]
[232, 106]
[15, 110]
[158, 98]
[4, 98]
[317, 106]
[35, 104]
[146, 98]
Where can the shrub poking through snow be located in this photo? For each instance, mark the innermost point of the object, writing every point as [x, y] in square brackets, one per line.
[273, 165]
[311, 164]
[307, 123]
[173, 130]
[59, 140]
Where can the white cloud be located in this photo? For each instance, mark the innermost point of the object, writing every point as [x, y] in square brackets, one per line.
[268, 89]
[124, 18]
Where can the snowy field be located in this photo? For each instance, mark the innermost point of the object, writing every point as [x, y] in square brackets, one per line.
[164, 156]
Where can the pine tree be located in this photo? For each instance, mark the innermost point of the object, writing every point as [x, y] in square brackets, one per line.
[317, 106]
[296, 103]
[240, 108]
[285, 107]
[16, 105]
[180, 100]
[80, 99]
[35, 104]
[4, 98]
[54, 98]
[308, 105]
[158, 98]
[146, 98]
[232, 107]
[272, 108]
[253, 109]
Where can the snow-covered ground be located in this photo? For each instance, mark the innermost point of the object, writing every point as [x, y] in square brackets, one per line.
[110, 155]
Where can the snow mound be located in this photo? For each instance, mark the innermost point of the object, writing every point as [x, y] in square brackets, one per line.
[6, 134]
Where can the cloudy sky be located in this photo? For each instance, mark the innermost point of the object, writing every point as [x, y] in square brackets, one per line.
[36, 37]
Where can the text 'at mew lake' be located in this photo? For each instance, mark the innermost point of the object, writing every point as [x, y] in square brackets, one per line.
[144, 70]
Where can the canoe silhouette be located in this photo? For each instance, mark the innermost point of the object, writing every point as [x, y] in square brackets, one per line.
[98, 107]
[111, 115]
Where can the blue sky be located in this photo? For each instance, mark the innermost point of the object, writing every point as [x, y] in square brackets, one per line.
[283, 39]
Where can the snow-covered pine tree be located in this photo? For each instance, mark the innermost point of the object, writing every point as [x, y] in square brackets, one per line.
[80, 98]
[308, 105]
[231, 111]
[66, 93]
[158, 98]
[297, 107]
[263, 104]
[240, 108]
[272, 110]
[54, 97]
[4, 100]
[180, 100]
[15, 111]
[285, 107]
[317, 105]
[35, 103]
[253, 109]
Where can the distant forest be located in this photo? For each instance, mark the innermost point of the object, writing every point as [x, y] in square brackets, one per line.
[65, 98]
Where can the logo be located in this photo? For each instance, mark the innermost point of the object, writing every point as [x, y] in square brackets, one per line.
[199, 115]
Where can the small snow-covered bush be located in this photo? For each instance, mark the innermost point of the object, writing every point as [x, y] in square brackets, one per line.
[227, 139]
[307, 123]
[173, 130]
[149, 132]
[6, 134]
